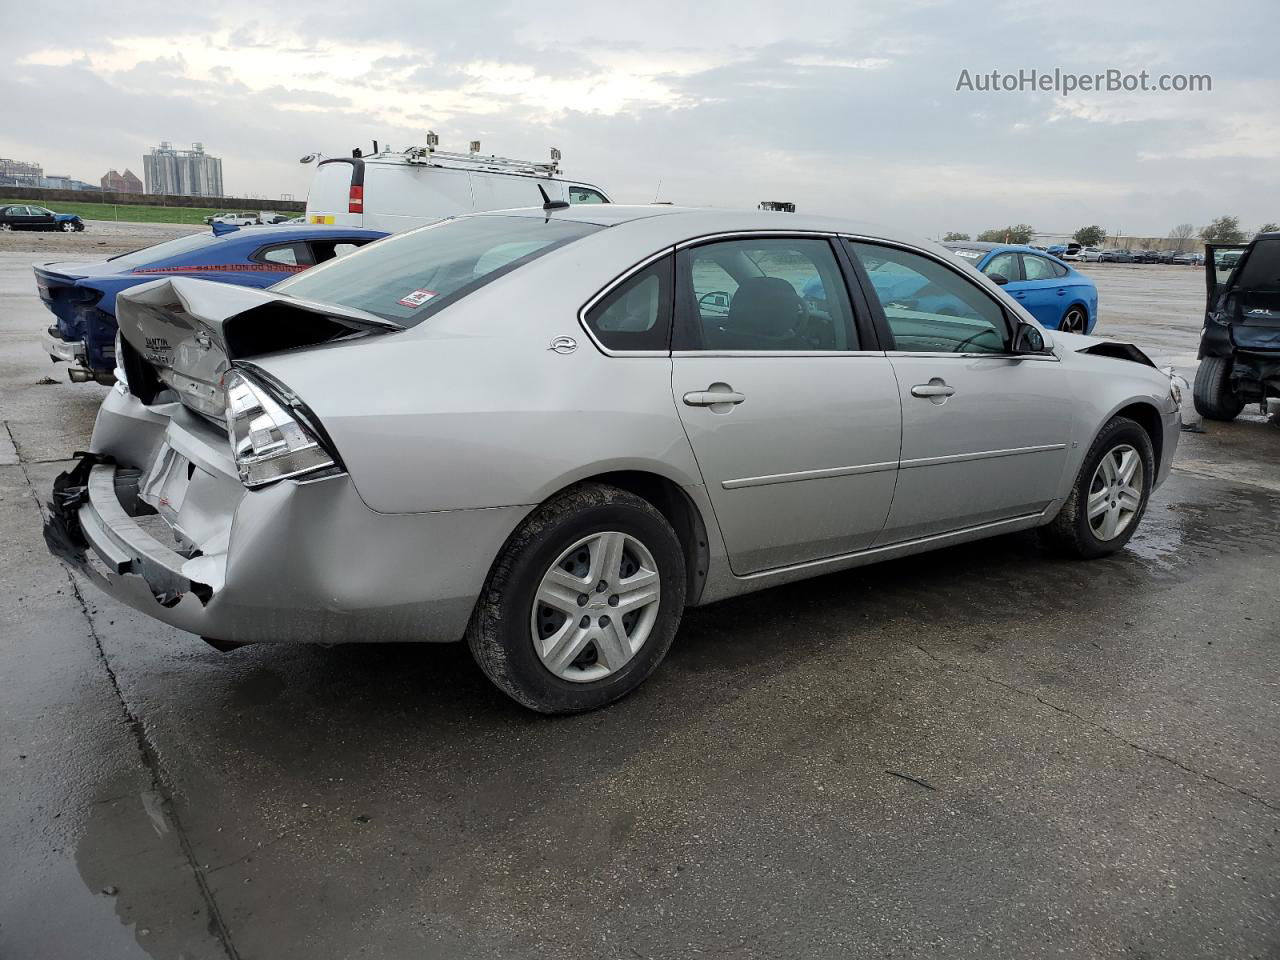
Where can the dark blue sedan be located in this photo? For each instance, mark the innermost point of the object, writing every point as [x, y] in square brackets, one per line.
[83, 295]
[1060, 297]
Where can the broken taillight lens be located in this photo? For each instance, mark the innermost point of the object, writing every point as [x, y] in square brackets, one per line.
[268, 442]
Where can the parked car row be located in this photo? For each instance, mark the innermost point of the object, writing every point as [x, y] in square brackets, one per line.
[1118, 255]
[248, 218]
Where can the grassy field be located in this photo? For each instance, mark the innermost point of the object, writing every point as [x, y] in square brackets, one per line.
[132, 212]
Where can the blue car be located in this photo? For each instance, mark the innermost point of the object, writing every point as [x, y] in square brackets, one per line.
[1058, 296]
[83, 295]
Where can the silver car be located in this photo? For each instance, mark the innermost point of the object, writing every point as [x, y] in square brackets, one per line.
[549, 431]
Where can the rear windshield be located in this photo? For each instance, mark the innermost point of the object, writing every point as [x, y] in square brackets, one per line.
[1262, 269]
[407, 277]
[163, 251]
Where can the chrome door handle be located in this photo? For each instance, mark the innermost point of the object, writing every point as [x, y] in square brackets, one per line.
[934, 388]
[709, 398]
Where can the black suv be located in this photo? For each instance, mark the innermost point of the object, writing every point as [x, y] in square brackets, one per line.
[1240, 344]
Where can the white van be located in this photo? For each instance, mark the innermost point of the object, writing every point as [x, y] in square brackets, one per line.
[398, 191]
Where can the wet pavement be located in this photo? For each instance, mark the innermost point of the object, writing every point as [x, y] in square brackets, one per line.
[981, 752]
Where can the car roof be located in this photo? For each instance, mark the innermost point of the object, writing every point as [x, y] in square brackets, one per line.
[1002, 247]
[697, 221]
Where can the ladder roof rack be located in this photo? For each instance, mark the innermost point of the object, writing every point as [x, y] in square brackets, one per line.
[428, 156]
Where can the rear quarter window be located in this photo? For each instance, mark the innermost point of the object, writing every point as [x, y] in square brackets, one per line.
[636, 314]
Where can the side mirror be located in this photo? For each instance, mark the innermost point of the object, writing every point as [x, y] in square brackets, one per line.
[999, 278]
[1028, 339]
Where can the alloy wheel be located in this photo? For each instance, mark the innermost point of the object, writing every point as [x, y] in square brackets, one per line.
[595, 607]
[1073, 321]
[1115, 493]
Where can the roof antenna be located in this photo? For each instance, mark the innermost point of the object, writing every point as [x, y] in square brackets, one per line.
[548, 203]
[657, 191]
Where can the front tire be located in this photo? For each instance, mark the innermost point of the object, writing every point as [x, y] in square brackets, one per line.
[66, 226]
[1110, 494]
[1214, 399]
[582, 603]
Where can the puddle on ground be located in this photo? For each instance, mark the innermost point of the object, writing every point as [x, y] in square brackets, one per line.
[130, 856]
[1218, 520]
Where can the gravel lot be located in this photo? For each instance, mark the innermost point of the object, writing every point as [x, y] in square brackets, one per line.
[100, 238]
[983, 752]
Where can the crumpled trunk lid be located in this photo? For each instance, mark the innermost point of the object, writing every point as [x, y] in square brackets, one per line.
[183, 334]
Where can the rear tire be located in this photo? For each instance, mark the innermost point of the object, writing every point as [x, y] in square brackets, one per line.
[525, 645]
[1107, 494]
[1212, 393]
[1075, 320]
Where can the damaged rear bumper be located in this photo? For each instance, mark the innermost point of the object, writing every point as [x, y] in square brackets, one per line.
[88, 513]
[159, 520]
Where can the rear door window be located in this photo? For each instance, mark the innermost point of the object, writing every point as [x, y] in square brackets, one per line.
[766, 294]
[322, 251]
[1038, 268]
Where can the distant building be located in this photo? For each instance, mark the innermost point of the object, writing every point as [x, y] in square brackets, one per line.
[20, 173]
[126, 182]
[56, 182]
[183, 172]
[778, 206]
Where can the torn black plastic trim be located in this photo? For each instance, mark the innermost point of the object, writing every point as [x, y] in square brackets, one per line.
[1117, 351]
[66, 539]
[62, 532]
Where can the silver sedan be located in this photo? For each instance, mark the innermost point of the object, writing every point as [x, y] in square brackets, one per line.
[549, 431]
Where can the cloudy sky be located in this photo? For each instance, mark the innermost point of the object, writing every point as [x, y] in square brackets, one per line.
[848, 108]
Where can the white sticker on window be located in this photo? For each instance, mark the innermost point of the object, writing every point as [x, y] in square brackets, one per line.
[417, 298]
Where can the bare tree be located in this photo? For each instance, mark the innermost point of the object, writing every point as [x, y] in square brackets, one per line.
[1180, 235]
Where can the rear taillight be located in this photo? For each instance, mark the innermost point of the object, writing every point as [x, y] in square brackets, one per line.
[355, 199]
[268, 441]
[122, 378]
